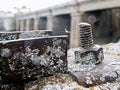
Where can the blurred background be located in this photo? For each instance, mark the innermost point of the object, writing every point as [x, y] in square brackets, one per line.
[63, 17]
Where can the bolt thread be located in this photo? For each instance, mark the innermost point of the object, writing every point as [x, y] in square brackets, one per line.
[86, 37]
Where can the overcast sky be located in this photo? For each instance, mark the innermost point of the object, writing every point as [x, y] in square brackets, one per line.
[8, 5]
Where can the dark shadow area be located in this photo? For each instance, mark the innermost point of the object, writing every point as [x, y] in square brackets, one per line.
[31, 24]
[60, 23]
[24, 23]
[42, 23]
[19, 25]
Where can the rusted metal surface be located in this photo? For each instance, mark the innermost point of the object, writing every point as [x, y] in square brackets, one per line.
[87, 58]
[27, 59]
[105, 76]
[24, 34]
[107, 72]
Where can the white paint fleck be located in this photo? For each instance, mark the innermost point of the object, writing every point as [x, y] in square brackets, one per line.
[5, 52]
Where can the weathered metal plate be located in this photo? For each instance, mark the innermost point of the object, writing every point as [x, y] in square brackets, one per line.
[24, 34]
[32, 58]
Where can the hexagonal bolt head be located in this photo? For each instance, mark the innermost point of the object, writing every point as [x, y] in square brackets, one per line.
[90, 56]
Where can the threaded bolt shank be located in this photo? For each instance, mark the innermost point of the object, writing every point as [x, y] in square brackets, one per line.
[86, 37]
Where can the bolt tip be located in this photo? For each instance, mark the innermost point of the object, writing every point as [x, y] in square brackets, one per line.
[84, 24]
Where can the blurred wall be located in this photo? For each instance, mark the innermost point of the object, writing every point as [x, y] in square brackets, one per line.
[106, 24]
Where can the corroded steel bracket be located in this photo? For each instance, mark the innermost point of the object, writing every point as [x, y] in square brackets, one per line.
[27, 59]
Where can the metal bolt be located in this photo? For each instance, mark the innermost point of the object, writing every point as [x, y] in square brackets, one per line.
[88, 54]
[86, 37]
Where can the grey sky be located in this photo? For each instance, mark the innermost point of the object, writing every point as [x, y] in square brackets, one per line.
[8, 5]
